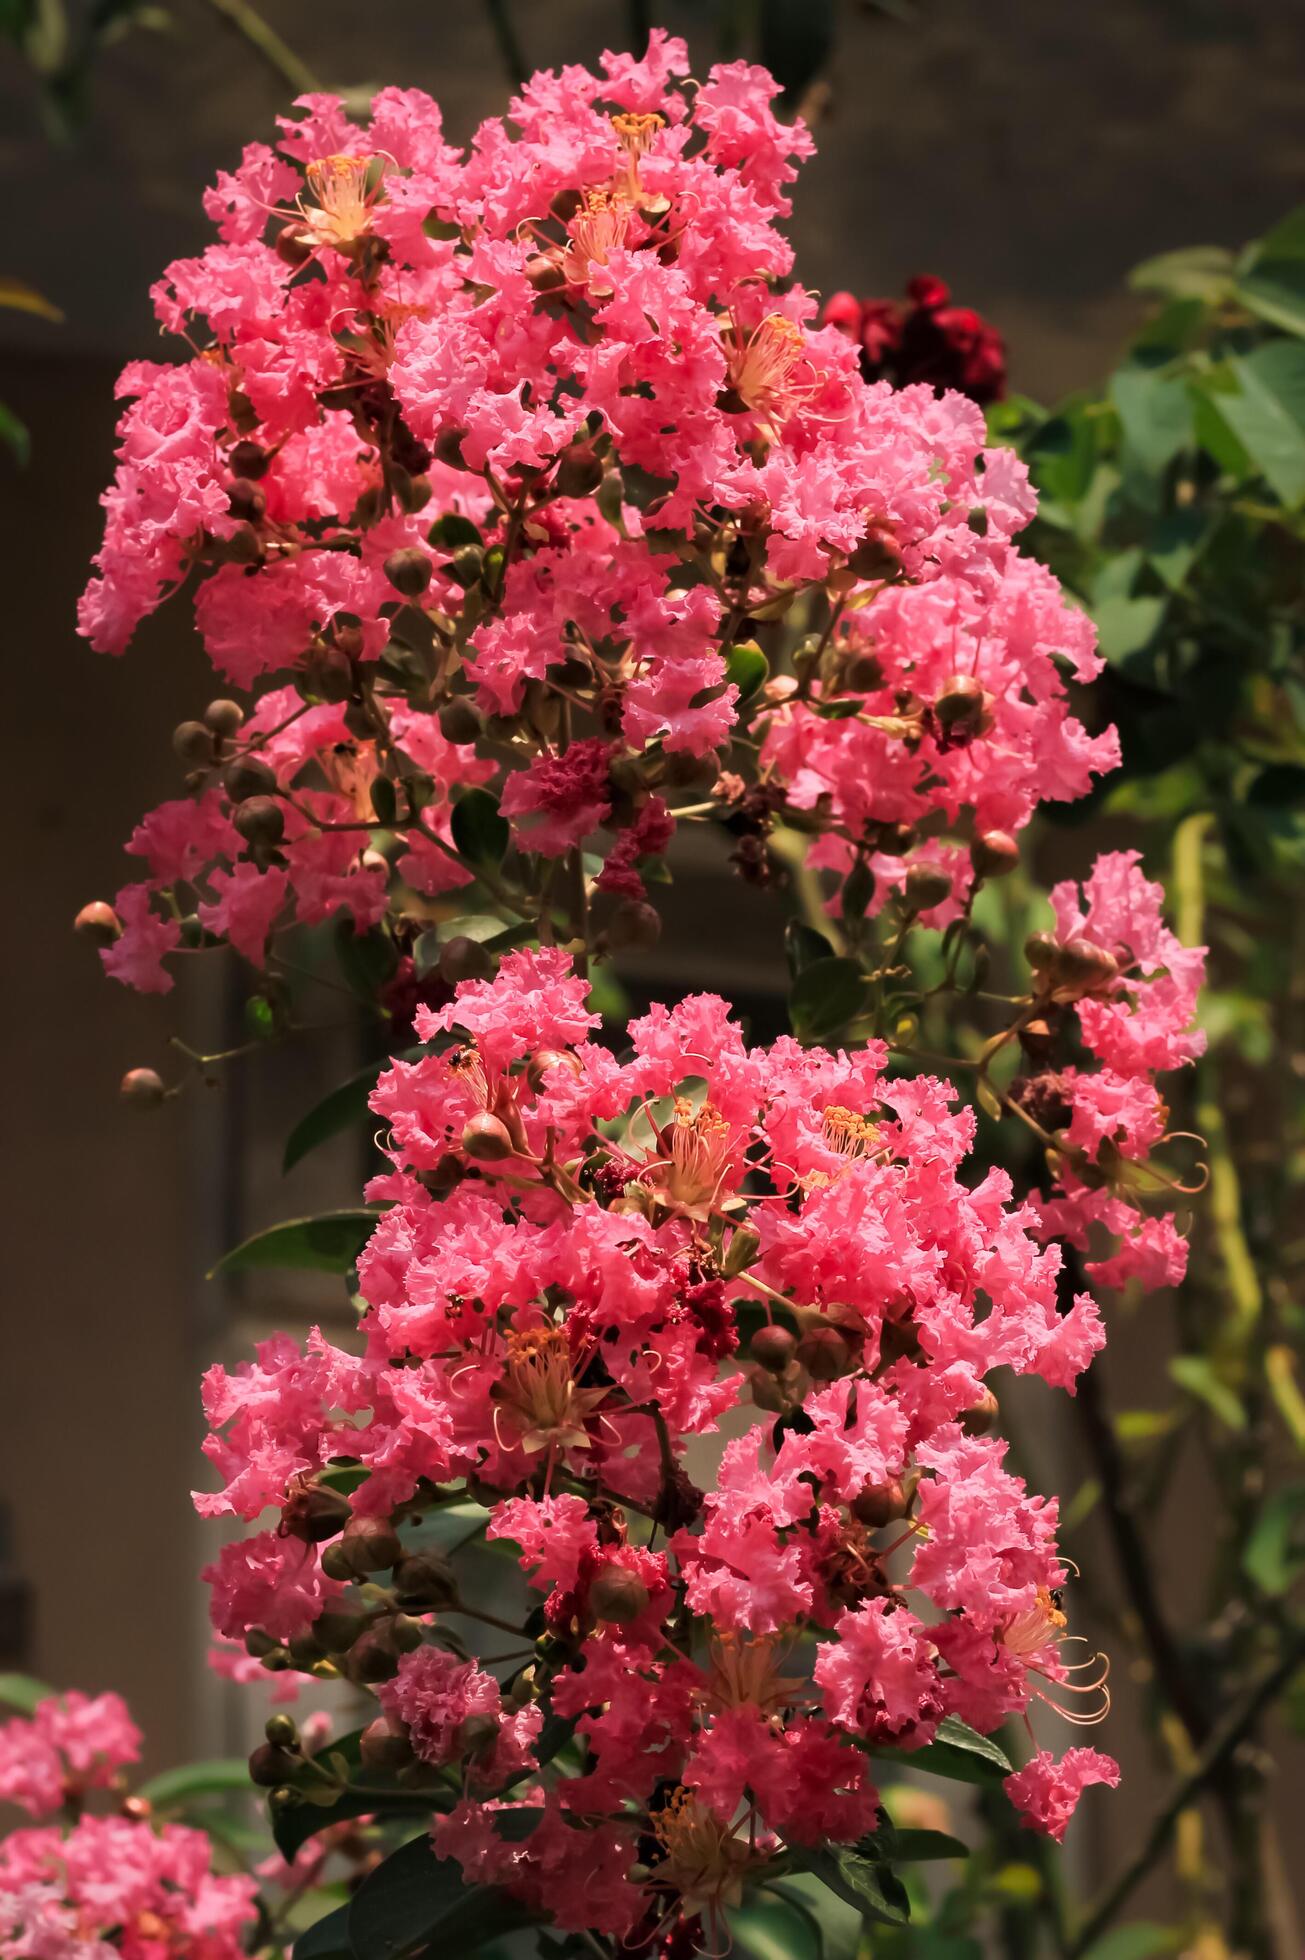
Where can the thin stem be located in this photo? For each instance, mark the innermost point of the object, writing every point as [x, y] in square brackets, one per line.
[509, 47]
[267, 44]
[1222, 1740]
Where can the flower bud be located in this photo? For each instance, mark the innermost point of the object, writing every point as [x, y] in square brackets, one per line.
[843, 310]
[774, 1347]
[224, 718]
[978, 1419]
[335, 1631]
[617, 1595]
[270, 1766]
[314, 1512]
[459, 721]
[1084, 966]
[291, 247]
[143, 1087]
[248, 776]
[926, 886]
[743, 1248]
[371, 1544]
[260, 820]
[579, 471]
[825, 1353]
[246, 499]
[880, 1504]
[408, 571]
[98, 922]
[546, 272]
[962, 706]
[192, 744]
[994, 854]
[448, 447]
[415, 494]
[464, 959]
[486, 1139]
[406, 1633]
[634, 924]
[879, 554]
[424, 1580]
[249, 459]
[372, 1658]
[465, 566]
[863, 674]
[476, 1736]
[282, 1731]
[545, 1060]
[773, 1389]
[1040, 949]
[384, 1748]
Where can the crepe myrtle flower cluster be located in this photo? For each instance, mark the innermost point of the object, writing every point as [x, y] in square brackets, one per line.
[583, 1268]
[103, 1887]
[486, 471]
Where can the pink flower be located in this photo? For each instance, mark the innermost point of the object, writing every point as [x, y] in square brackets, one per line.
[1046, 1792]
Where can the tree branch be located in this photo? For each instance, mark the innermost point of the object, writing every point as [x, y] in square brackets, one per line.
[275, 53]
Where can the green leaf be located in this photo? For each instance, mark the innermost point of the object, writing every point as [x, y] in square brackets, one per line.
[873, 1888]
[826, 996]
[14, 435]
[23, 1692]
[747, 667]
[451, 531]
[295, 1822]
[327, 1243]
[1275, 1550]
[1155, 415]
[328, 1939]
[772, 1927]
[958, 1752]
[175, 1787]
[1137, 1942]
[480, 834]
[1272, 282]
[803, 947]
[416, 1900]
[1196, 272]
[912, 1847]
[1195, 1373]
[367, 959]
[1266, 413]
[341, 1110]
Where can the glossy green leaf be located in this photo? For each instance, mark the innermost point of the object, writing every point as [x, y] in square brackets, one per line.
[1266, 413]
[771, 1927]
[15, 436]
[1197, 271]
[803, 946]
[327, 1243]
[826, 996]
[451, 531]
[295, 1822]
[416, 1901]
[1155, 414]
[747, 667]
[959, 1753]
[344, 1108]
[1272, 282]
[1196, 1373]
[367, 959]
[911, 1847]
[873, 1888]
[480, 834]
[328, 1939]
[23, 1692]
[1275, 1551]
[1137, 1942]
[173, 1788]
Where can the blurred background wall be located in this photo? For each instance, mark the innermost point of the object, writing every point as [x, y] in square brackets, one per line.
[1027, 155]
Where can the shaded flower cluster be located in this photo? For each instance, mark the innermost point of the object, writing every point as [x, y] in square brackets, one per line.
[924, 338]
[103, 1887]
[580, 1269]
